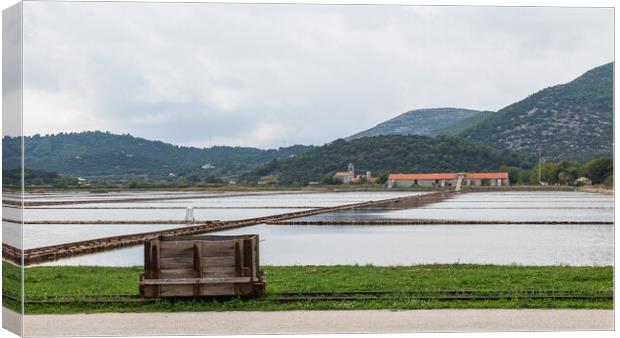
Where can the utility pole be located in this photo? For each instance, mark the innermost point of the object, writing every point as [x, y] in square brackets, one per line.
[540, 166]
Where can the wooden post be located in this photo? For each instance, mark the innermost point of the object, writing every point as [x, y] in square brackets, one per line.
[247, 259]
[238, 264]
[147, 259]
[254, 261]
[258, 286]
[155, 265]
[197, 266]
[238, 259]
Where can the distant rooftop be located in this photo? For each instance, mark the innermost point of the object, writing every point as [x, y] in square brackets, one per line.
[448, 176]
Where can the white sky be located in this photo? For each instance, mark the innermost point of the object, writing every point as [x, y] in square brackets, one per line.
[274, 75]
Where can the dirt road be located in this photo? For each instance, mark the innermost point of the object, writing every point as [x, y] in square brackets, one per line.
[190, 323]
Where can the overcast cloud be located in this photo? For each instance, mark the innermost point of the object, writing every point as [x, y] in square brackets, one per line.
[274, 75]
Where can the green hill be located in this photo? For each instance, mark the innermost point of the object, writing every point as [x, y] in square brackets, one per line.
[421, 122]
[573, 121]
[92, 154]
[458, 127]
[391, 153]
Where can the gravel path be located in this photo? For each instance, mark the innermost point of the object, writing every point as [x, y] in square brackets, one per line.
[202, 323]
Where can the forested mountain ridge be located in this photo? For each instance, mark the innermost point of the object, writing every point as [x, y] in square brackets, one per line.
[572, 121]
[456, 128]
[105, 154]
[389, 154]
[420, 122]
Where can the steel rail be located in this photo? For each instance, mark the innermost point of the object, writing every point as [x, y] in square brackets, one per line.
[421, 295]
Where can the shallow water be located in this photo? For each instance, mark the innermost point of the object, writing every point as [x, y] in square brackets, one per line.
[498, 214]
[148, 214]
[232, 206]
[581, 245]
[328, 245]
[497, 206]
[38, 235]
[303, 200]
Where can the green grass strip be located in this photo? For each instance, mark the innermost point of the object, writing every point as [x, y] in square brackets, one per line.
[71, 282]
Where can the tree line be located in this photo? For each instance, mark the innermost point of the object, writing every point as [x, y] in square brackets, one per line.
[599, 170]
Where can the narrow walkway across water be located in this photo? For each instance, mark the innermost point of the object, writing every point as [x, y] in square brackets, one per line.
[54, 252]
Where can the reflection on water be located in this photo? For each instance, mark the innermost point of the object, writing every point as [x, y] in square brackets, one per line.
[497, 206]
[241, 207]
[82, 214]
[412, 244]
[129, 256]
[38, 235]
[536, 215]
[256, 199]
[379, 245]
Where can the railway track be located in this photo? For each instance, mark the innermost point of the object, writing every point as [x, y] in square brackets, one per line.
[344, 296]
[55, 252]
[437, 295]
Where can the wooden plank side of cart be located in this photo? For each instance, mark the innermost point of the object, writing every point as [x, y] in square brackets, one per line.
[194, 266]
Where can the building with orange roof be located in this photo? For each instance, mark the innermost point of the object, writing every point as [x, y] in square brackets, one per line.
[368, 177]
[448, 179]
[346, 176]
[492, 179]
[349, 176]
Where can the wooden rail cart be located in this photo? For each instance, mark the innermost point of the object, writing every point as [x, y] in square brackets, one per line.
[194, 266]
